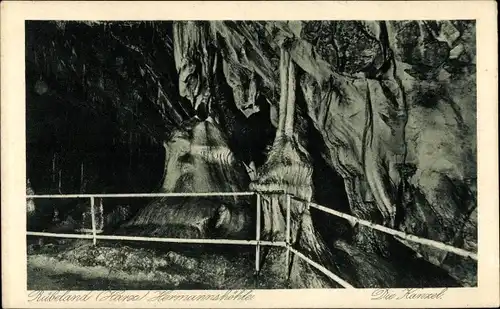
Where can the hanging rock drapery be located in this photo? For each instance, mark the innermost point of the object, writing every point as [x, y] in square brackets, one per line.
[195, 60]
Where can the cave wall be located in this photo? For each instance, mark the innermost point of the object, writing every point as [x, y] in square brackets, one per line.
[385, 108]
[395, 104]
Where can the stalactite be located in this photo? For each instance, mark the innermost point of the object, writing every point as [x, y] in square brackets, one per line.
[195, 62]
[290, 100]
[284, 63]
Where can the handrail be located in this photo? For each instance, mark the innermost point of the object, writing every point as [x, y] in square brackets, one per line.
[171, 194]
[283, 244]
[400, 234]
[117, 195]
[162, 239]
[325, 271]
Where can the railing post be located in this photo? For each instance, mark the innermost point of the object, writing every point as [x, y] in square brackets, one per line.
[257, 237]
[92, 213]
[287, 233]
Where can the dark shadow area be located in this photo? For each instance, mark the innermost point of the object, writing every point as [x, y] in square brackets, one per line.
[249, 137]
[328, 185]
[84, 103]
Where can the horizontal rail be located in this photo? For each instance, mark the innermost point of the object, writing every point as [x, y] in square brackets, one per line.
[272, 243]
[325, 271]
[403, 235]
[57, 235]
[117, 195]
[161, 239]
[88, 231]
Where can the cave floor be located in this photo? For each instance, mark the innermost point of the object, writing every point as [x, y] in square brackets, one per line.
[77, 265]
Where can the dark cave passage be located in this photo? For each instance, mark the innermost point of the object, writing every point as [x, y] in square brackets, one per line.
[328, 186]
[250, 137]
[329, 192]
[72, 151]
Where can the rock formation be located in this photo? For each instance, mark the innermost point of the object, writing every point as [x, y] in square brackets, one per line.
[198, 160]
[387, 107]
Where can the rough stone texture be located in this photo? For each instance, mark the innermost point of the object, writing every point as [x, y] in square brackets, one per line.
[194, 60]
[441, 141]
[394, 104]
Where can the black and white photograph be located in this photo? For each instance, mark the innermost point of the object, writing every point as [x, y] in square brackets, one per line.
[332, 154]
[213, 159]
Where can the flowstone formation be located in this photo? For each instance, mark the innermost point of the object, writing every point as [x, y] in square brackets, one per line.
[384, 110]
[389, 99]
[198, 160]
